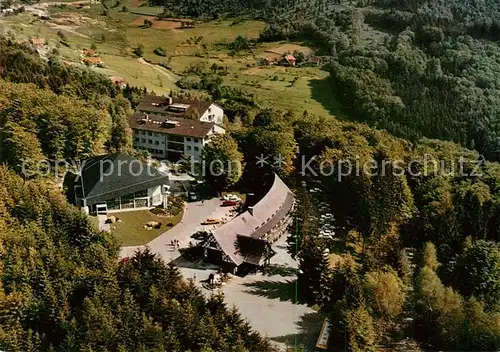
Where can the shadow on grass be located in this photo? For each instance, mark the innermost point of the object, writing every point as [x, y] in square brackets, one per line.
[276, 269]
[309, 328]
[322, 92]
[282, 290]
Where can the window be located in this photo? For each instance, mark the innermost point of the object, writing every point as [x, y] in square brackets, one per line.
[188, 139]
[113, 204]
[195, 140]
[137, 139]
[143, 140]
[175, 138]
[188, 147]
[196, 149]
[150, 133]
[162, 142]
[150, 141]
[157, 143]
[176, 146]
[141, 194]
[127, 201]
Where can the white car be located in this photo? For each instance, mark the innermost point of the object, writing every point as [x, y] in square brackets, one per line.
[232, 197]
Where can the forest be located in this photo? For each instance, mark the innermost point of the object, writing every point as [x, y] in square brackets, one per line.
[63, 287]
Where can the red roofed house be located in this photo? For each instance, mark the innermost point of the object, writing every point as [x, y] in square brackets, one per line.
[288, 60]
[93, 61]
[118, 81]
[89, 52]
[38, 42]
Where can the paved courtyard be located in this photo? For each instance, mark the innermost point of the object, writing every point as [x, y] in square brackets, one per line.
[194, 214]
[268, 301]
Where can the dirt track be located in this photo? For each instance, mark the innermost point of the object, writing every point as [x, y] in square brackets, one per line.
[160, 70]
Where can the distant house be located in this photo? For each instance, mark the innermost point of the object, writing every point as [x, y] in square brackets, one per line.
[245, 242]
[288, 60]
[38, 42]
[117, 182]
[89, 52]
[93, 61]
[118, 81]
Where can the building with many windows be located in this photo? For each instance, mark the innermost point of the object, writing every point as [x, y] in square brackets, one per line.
[170, 128]
[117, 182]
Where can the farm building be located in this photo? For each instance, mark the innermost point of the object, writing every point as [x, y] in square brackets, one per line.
[89, 53]
[93, 61]
[288, 60]
[118, 81]
[244, 243]
[38, 42]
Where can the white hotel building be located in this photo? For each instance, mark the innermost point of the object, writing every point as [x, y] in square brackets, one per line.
[170, 128]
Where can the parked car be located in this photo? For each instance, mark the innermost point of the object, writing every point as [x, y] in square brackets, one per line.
[231, 197]
[230, 203]
[210, 221]
[193, 196]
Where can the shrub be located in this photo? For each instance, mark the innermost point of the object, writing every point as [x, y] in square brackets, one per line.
[160, 51]
[139, 51]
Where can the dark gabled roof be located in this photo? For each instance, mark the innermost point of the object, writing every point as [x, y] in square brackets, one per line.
[276, 218]
[184, 127]
[110, 176]
[255, 223]
[160, 105]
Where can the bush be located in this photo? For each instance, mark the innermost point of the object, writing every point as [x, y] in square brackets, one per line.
[189, 83]
[175, 205]
[61, 35]
[160, 51]
[139, 51]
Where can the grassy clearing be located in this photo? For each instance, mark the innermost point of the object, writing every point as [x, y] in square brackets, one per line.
[146, 11]
[131, 232]
[176, 41]
[154, 78]
[296, 89]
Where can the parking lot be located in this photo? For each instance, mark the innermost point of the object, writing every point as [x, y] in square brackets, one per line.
[194, 214]
[325, 218]
[268, 301]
